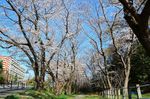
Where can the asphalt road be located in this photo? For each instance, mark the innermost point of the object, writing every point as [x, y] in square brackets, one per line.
[8, 91]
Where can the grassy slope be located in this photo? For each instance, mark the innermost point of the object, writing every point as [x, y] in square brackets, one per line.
[31, 94]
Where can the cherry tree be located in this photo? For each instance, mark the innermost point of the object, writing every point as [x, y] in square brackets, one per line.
[33, 27]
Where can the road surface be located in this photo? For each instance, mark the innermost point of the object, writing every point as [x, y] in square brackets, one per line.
[8, 91]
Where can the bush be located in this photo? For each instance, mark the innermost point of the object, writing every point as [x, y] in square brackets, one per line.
[18, 97]
[12, 97]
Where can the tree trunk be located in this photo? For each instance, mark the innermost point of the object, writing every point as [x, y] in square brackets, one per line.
[125, 89]
[127, 73]
[39, 79]
[139, 23]
[109, 86]
[42, 76]
[142, 33]
[59, 87]
[69, 88]
[39, 83]
[109, 83]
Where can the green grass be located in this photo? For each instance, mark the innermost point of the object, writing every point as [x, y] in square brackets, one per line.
[78, 97]
[32, 94]
[92, 97]
[65, 97]
[47, 95]
[18, 97]
[146, 95]
[56, 97]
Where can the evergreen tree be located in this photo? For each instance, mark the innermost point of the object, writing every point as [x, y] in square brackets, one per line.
[140, 71]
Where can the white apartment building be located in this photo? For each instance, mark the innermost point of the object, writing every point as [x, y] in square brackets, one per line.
[12, 69]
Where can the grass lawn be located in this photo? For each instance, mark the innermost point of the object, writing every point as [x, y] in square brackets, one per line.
[57, 97]
[32, 94]
[79, 97]
[147, 95]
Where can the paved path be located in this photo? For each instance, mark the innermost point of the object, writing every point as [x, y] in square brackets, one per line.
[80, 97]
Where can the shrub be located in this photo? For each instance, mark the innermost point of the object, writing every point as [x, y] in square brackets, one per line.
[19, 97]
[12, 97]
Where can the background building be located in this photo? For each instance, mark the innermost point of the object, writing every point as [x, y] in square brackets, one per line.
[12, 70]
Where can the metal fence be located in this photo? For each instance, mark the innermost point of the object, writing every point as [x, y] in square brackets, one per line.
[134, 92]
